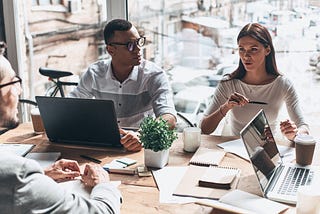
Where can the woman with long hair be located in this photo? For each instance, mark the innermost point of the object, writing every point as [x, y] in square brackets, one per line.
[256, 79]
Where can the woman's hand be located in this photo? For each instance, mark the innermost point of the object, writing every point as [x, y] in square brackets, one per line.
[289, 129]
[94, 174]
[130, 140]
[63, 170]
[236, 99]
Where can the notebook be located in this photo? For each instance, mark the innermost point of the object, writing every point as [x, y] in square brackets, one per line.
[88, 122]
[16, 148]
[278, 181]
[238, 201]
[219, 177]
[207, 157]
[189, 186]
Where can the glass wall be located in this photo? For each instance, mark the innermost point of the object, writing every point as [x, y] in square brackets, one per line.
[195, 42]
[192, 40]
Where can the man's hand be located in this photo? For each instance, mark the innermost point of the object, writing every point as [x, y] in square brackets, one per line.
[63, 170]
[130, 140]
[94, 174]
[171, 120]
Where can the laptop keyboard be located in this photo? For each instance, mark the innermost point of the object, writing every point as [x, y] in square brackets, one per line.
[294, 178]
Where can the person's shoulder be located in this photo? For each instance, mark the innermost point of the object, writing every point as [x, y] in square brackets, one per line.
[283, 81]
[99, 66]
[226, 80]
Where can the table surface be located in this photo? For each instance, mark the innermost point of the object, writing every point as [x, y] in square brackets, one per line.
[140, 194]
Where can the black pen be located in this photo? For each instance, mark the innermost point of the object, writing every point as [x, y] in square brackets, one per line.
[90, 158]
[258, 102]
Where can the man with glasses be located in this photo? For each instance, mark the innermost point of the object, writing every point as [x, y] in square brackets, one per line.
[10, 90]
[138, 87]
[26, 188]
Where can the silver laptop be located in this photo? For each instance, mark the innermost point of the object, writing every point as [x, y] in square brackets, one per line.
[88, 122]
[278, 181]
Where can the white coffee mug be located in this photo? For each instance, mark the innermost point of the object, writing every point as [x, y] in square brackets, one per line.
[191, 138]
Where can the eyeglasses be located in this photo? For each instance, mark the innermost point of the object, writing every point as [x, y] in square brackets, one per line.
[130, 45]
[3, 44]
[18, 80]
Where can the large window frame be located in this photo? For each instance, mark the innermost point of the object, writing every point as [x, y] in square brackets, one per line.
[115, 9]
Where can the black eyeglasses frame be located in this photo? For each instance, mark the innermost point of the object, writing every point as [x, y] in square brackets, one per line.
[19, 80]
[130, 45]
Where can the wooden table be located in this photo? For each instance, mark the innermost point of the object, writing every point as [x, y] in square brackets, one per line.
[140, 194]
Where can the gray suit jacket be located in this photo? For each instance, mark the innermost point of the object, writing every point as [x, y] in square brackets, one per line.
[25, 189]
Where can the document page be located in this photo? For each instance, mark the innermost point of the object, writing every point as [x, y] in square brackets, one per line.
[252, 202]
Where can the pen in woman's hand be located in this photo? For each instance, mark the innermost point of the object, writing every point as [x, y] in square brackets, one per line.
[258, 102]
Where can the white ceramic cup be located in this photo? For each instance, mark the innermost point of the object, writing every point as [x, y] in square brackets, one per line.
[308, 200]
[305, 145]
[37, 123]
[191, 139]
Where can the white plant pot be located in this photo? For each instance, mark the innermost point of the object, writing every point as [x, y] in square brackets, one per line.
[156, 159]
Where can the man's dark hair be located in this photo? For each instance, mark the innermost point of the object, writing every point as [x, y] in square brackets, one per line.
[115, 25]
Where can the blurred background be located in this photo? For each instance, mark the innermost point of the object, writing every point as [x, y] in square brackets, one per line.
[194, 41]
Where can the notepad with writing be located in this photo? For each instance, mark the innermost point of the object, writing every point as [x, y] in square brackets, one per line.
[219, 177]
[207, 157]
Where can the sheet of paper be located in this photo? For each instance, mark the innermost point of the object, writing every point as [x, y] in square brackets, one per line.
[252, 202]
[237, 147]
[76, 186]
[167, 185]
[287, 153]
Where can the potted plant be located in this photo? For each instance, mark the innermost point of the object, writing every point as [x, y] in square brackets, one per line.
[156, 138]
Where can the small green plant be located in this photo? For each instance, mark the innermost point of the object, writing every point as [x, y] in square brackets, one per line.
[155, 134]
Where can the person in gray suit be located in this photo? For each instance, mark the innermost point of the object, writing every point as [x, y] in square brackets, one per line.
[26, 188]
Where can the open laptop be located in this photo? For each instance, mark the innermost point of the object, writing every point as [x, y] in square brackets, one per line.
[88, 122]
[278, 181]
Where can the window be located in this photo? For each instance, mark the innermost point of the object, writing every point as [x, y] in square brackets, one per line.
[45, 2]
[209, 32]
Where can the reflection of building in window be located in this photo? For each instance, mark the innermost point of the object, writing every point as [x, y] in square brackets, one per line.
[195, 49]
[262, 129]
[262, 161]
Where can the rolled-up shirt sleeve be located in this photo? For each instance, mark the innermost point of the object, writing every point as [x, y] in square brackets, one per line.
[162, 99]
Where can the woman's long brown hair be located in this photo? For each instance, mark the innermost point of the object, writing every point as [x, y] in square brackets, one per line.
[262, 35]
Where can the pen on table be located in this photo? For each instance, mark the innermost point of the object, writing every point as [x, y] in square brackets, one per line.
[121, 171]
[90, 158]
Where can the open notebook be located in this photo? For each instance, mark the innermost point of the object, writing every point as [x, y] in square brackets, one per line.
[207, 157]
[219, 177]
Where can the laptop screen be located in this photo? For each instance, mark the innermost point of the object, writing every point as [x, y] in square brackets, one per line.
[89, 122]
[261, 146]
